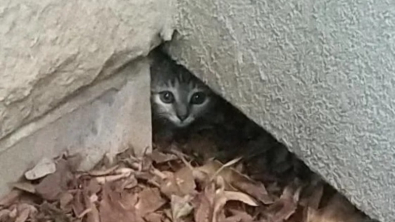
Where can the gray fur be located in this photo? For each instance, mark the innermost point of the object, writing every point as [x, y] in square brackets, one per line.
[166, 75]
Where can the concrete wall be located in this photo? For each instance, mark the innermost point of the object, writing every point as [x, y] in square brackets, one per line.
[73, 78]
[317, 74]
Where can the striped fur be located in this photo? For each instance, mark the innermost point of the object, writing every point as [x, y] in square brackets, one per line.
[167, 76]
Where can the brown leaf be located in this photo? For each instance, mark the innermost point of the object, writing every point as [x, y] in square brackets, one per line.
[159, 157]
[185, 181]
[212, 169]
[65, 199]
[167, 213]
[180, 206]
[103, 172]
[239, 167]
[154, 217]
[239, 216]
[168, 185]
[226, 165]
[4, 214]
[238, 196]
[10, 198]
[23, 215]
[235, 180]
[150, 177]
[111, 209]
[127, 183]
[78, 204]
[315, 198]
[92, 187]
[51, 211]
[256, 190]
[220, 200]
[111, 178]
[53, 185]
[149, 200]
[137, 163]
[284, 207]
[180, 183]
[129, 200]
[219, 203]
[204, 204]
[298, 215]
[13, 213]
[32, 209]
[93, 214]
[222, 197]
[338, 209]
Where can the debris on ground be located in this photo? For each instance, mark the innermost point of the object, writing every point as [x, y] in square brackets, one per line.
[164, 187]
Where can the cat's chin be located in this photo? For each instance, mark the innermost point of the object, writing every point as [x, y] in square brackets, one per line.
[181, 124]
[178, 124]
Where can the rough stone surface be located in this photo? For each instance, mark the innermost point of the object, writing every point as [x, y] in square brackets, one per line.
[49, 49]
[106, 118]
[318, 74]
[74, 78]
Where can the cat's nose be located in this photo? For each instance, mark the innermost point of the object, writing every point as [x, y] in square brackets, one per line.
[182, 117]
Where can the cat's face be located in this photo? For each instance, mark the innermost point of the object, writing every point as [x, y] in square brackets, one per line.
[176, 95]
[180, 102]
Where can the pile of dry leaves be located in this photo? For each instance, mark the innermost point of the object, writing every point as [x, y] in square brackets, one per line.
[161, 187]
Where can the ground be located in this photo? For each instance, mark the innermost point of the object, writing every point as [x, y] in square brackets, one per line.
[166, 185]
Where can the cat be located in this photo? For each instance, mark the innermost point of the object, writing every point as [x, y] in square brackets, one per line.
[183, 105]
[178, 98]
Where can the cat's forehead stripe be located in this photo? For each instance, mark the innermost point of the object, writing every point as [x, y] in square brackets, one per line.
[182, 78]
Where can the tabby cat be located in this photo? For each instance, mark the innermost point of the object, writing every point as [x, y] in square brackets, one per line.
[183, 105]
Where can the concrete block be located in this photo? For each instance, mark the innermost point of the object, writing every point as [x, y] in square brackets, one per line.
[106, 118]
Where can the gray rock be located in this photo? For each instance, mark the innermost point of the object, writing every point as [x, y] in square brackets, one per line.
[73, 79]
[50, 49]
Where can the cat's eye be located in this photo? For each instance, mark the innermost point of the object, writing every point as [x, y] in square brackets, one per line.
[198, 98]
[166, 97]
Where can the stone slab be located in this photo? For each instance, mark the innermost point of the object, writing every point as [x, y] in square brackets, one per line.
[49, 49]
[106, 118]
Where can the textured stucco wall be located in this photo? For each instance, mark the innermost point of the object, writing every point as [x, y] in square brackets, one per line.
[317, 74]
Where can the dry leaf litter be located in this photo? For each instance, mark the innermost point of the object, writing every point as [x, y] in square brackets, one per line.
[164, 186]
